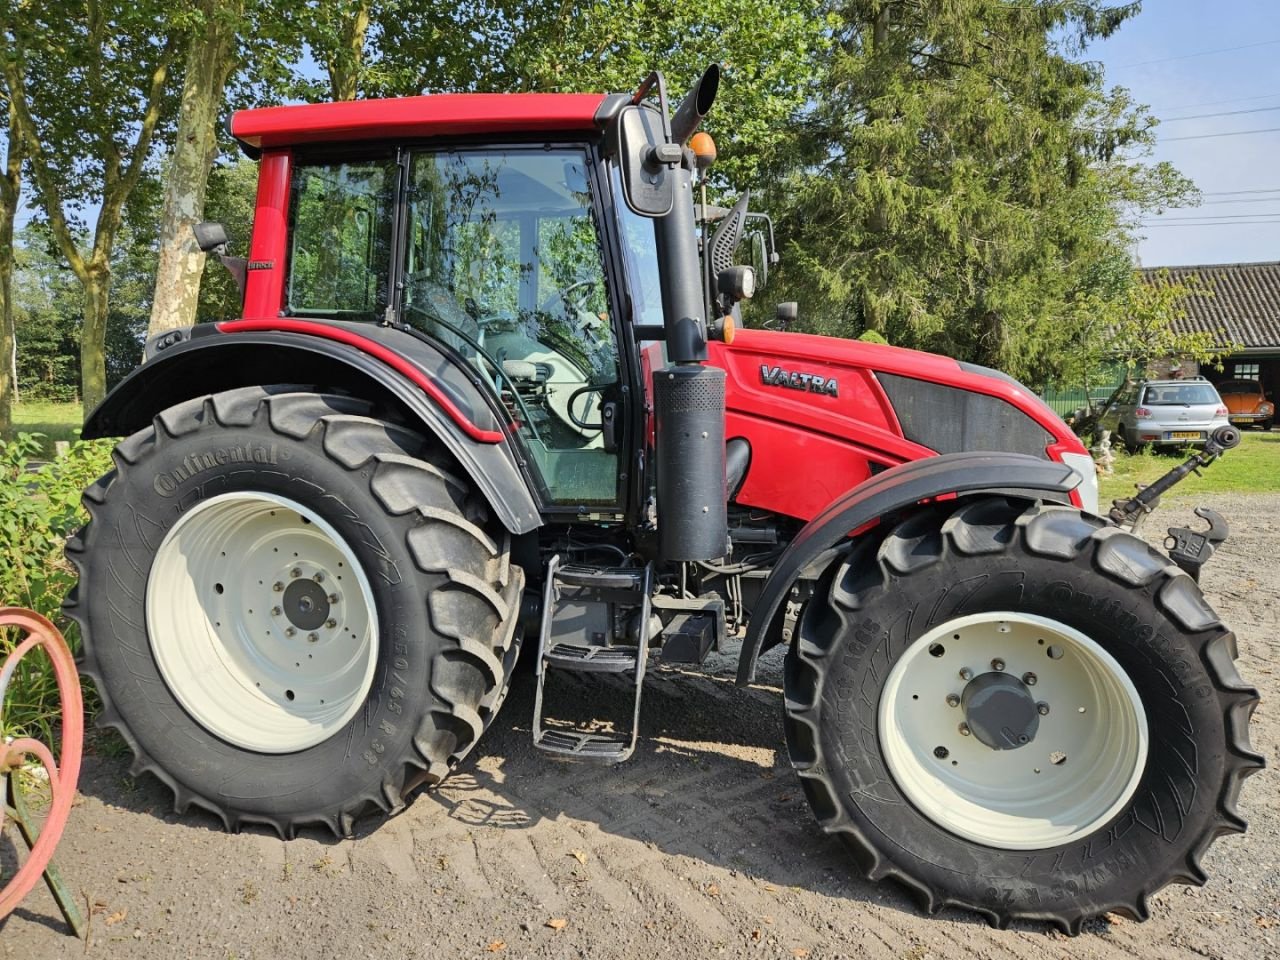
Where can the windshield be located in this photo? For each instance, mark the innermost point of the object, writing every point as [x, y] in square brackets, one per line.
[1181, 394]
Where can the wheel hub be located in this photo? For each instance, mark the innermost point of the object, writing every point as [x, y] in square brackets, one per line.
[306, 604]
[262, 622]
[981, 756]
[1000, 711]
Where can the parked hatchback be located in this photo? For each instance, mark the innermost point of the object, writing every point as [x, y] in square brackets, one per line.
[1166, 412]
[1246, 403]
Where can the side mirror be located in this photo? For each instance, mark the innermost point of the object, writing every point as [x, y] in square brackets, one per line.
[210, 235]
[645, 161]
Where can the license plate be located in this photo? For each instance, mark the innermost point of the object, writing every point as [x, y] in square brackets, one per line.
[1186, 435]
[1242, 419]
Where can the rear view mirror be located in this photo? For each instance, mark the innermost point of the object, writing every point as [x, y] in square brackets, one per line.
[644, 155]
[210, 235]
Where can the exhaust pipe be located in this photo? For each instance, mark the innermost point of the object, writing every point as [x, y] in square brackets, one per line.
[695, 106]
[688, 397]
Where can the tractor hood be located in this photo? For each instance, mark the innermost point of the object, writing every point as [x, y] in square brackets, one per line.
[842, 410]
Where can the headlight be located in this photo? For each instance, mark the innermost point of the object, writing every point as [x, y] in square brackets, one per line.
[1083, 464]
[1266, 407]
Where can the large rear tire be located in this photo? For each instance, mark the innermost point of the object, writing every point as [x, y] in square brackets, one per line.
[1024, 712]
[292, 610]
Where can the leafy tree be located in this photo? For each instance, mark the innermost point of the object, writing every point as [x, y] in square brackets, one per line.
[90, 85]
[211, 56]
[230, 201]
[47, 302]
[964, 181]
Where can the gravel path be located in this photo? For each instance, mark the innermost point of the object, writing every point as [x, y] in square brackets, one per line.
[703, 843]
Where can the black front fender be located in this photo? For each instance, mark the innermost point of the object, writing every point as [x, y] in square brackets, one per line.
[888, 492]
[211, 362]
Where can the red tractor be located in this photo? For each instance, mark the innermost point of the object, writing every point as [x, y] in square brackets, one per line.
[486, 390]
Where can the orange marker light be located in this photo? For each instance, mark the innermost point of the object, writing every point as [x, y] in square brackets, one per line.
[728, 330]
[704, 148]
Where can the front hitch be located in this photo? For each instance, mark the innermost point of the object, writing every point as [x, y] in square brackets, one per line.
[1189, 549]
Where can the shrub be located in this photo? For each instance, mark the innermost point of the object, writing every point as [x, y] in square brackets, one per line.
[39, 509]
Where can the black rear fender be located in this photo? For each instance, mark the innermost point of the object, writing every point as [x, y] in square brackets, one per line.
[425, 387]
[896, 489]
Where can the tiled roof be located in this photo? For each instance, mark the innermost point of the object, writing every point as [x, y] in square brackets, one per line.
[1245, 301]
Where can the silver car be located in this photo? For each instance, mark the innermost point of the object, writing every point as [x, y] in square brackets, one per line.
[1165, 412]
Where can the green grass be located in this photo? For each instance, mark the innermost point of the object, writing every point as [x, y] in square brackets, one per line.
[1252, 467]
[57, 421]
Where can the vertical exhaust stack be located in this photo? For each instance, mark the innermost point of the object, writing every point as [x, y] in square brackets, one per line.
[688, 397]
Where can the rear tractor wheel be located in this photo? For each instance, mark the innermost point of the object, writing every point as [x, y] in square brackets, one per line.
[1025, 712]
[292, 610]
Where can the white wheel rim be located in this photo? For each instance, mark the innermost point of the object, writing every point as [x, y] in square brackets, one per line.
[249, 667]
[1081, 766]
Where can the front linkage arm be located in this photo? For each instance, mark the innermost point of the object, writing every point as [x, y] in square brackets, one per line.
[1187, 548]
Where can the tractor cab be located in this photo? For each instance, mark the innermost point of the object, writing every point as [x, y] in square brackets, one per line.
[528, 261]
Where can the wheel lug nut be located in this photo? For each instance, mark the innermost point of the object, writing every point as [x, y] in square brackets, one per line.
[333, 598]
[313, 637]
[295, 572]
[289, 631]
[276, 611]
[953, 700]
[966, 673]
[277, 586]
[1042, 708]
[964, 730]
[318, 578]
[331, 623]
[1029, 679]
[997, 664]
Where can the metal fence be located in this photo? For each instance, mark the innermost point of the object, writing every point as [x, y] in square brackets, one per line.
[1067, 399]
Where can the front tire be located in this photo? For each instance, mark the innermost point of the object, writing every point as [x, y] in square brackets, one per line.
[1025, 712]
[291, 609]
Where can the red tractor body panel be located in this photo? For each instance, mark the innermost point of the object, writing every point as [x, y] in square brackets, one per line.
[438, 115]
[811, 442]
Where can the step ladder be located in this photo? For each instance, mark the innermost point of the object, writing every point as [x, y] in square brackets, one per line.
[581, 609]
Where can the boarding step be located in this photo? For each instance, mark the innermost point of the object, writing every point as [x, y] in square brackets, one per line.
[580, 745]
[568, 656]
[588, 616]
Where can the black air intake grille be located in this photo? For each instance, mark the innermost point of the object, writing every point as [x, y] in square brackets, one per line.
[692, 394]
[952, 420]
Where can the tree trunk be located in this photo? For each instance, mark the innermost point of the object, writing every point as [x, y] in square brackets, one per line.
[180, 268]
[93, 361]
[346, 63]
[10, 191]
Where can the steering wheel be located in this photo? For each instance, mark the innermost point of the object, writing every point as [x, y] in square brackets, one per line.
[563, 296]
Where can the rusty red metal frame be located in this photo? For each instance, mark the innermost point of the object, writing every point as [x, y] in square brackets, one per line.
[63, 773]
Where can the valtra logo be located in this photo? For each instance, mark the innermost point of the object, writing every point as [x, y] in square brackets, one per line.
[795, 380]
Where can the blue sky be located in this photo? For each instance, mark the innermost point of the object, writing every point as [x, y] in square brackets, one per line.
[1227, 59]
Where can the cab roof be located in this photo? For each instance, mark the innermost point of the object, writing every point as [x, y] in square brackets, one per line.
[444, 114]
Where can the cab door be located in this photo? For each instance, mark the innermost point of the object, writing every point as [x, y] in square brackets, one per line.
[503, 263]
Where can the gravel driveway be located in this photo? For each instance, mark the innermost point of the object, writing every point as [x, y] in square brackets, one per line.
[702, 843]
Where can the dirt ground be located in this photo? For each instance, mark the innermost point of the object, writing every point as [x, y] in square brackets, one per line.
[701, 844]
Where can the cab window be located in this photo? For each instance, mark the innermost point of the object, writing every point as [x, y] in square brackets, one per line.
[340, 239]
[503, 265]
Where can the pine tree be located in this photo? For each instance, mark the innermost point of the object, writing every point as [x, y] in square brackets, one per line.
[965, 183]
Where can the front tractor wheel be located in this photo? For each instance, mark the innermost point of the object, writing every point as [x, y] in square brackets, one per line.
[1024, 712]
[292, 610]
